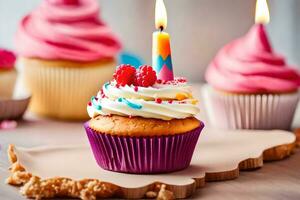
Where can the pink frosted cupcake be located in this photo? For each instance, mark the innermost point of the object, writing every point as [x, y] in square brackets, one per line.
[143, 125]
[65, 51]
[11, 107]
[250, 86]
[8, 74]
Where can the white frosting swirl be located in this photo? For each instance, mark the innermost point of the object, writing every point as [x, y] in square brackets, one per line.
[175, 101]
[161, 91]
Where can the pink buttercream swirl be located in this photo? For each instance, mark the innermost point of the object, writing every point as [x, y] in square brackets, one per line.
[248, 65]
[66, 30]
[7, 59]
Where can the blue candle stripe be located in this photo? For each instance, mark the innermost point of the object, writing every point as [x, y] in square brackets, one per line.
[159, 62]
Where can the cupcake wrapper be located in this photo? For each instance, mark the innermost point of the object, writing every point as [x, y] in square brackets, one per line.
[143, 155]
[13, 109]
[62, 92]
[253, 111]
[7, 83]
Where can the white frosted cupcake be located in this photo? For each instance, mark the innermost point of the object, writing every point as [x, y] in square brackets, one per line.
[143, 125]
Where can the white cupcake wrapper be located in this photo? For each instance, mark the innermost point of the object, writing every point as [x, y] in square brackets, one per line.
[249, 111]
[63, 92]
[7, 83]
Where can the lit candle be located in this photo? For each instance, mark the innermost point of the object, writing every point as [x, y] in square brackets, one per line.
[161, 50]
[262, 14]
[257, 35]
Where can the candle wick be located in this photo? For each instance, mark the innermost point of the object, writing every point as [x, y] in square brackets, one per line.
[161, 28]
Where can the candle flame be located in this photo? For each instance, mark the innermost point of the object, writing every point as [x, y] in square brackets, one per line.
[262, 14]
[161, 19]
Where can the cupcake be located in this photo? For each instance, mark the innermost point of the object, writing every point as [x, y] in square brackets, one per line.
[143, 125]
[65, 52]
[12, 106]
[8, 74]
[250, 86]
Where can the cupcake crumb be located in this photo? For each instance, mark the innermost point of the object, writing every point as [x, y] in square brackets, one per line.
[151, 195]
[165, 194]
[37, 188]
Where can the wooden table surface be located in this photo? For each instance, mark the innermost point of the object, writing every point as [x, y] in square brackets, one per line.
[276, 180]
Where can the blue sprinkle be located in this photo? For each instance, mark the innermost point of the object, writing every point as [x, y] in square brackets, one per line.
[130, 104]
[96, 106]
[106, 85]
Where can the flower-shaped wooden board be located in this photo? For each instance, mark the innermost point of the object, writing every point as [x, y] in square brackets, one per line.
[71, 171]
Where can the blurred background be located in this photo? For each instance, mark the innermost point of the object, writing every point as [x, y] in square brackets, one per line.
[198, 28]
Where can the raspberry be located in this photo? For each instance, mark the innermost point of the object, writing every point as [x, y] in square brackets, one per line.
[124, 75]
[145, 76]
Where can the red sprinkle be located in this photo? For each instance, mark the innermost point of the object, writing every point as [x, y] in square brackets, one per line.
[170, 101]
[136, 88]
[158, 101]
[181, 80]
[96, 98]
[159, 81]
[117, 86]
[89, 103]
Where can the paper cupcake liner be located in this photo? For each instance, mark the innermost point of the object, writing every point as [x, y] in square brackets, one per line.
[249, 111]
[7, 83]
[62, 91]
[13, 109]
[143, 155]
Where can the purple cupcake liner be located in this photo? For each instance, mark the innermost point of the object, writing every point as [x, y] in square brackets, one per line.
[143, 155]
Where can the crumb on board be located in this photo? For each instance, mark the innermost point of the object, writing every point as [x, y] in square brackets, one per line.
[87, 189]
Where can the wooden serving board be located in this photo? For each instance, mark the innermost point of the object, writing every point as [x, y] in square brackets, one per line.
[297, 133]
[219, 155]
